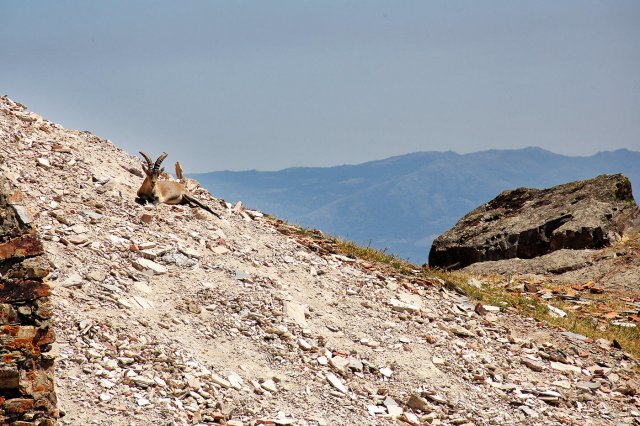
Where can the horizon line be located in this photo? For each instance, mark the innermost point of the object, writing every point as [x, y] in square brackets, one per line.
[415, 153]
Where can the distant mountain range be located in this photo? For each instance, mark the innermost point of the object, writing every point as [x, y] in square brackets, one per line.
[402, 203]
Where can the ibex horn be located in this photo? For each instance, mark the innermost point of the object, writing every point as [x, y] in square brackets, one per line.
[156, 165]
[149, 162]
[147, 158]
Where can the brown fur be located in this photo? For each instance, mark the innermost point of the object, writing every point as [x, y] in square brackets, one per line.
[164, 191]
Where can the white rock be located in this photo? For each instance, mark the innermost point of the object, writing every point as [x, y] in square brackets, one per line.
[386, 372]
[110, 364]
[304, 344]
[336, 383]
[295, 311]
[339, 363]
[43, 162]
[556, 311]
[144, 303]
[220, 381]
[529, 412]
[269, 385]
[143, 382]
[437, 360]
[105, 383]
[562, 384]
[395, 410]
[400, 306]
[236, 381]
[23, 214]
[565, 367]
[411, 418]
[125, 302]
[220, 250]
[105, 397]
[142, 287]
[253, 214]
[189, 252]
[410, 298]
[624, 324]
[491, 308]
[376, 409]
[147, 245]
[149, 267]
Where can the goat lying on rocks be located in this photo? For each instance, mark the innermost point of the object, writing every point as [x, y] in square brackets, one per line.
[164, 191]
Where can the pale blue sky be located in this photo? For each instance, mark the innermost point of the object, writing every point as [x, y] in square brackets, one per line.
[267, 85]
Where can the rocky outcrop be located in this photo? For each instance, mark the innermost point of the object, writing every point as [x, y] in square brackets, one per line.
[526, 223]
[26, 372]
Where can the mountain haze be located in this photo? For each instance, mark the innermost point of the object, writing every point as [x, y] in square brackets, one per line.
[402, 203]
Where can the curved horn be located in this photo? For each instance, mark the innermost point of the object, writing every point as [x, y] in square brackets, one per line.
[149, 162]
[159, 161]
[147, 158]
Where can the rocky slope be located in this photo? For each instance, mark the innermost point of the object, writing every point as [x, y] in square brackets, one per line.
[167, 315]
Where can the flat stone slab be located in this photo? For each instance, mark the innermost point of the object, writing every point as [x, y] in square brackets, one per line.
[149, 267]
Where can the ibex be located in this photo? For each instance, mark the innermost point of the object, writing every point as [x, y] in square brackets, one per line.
[164, 191]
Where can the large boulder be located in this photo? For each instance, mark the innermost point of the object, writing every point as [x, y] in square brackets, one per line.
[526, 223]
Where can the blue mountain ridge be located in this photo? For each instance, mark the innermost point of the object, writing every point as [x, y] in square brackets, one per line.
[400, 204]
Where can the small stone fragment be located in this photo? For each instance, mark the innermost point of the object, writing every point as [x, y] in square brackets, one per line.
[556, 311]
[399, 306]
[105, 397]
[220, 250]
[566, 368]
[411, 418]
[269, 385]
[386, 372]
[146, 218]
[529, 412]
[336, 383]
[532, 364]
[220, 381]
[304, 345]
[149, 267]
[295, 312]
[418, 403]
[339, 363]
[43, 162]
[460, 331]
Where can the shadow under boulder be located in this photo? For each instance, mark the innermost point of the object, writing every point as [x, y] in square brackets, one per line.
[526, 223]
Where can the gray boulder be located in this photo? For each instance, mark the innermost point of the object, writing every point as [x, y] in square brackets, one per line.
[526, 223]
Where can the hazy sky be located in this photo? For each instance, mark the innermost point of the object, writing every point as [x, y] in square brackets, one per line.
[272, 84]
